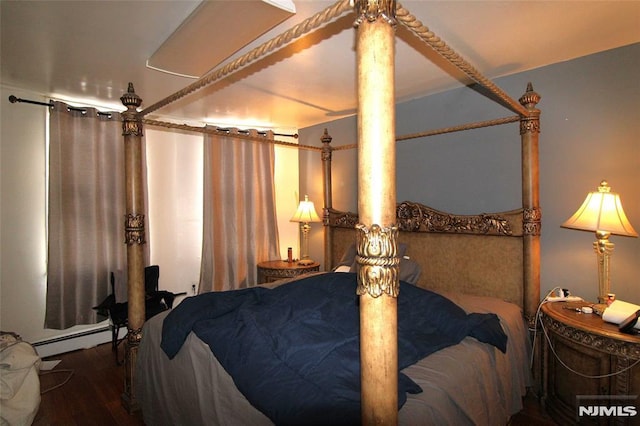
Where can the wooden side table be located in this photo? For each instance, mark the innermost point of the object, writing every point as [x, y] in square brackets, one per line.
[273, 270]
[604, 363]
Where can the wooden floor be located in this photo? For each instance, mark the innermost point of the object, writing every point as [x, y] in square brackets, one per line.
[92, 396]
[532, 415]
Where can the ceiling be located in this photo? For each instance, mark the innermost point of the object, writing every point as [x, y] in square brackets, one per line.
[90, 50]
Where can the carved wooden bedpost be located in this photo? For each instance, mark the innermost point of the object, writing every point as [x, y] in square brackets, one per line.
[376, 234]
[529, 132]
[328, 201]
[134, 238]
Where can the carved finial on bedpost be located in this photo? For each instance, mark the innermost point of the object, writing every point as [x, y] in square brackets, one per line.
[132, 124]
[530, 98]
[530, 123]
[326, 140]
[130, 99]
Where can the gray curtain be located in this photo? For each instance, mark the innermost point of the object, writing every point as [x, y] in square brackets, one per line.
[86, 213]
[239, 226]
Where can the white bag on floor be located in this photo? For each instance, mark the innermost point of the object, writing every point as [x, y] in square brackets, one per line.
[19, 381]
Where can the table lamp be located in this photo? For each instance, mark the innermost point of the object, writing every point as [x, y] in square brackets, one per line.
[602, 213]
[305, 214]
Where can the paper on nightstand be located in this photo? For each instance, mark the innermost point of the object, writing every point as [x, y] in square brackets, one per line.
[619, 311]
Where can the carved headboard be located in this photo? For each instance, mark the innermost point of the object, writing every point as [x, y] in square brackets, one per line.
[472, 254]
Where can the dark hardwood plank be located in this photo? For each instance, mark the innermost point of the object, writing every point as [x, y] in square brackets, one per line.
[532, 414]
[91, 396]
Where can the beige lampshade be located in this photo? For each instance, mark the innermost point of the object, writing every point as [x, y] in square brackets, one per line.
[306, 212]
[602, 211]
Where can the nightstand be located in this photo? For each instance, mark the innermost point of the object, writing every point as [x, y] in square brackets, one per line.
[273, 270]
[604, 363]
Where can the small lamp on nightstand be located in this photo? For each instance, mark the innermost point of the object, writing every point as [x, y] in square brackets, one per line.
[602, 213]
[305, 214]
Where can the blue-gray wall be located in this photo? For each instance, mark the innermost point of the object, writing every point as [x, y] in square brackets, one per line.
[590, 131]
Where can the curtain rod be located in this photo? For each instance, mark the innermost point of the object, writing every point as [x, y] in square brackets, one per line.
[260, 132]
[14, 99]
[242, 134]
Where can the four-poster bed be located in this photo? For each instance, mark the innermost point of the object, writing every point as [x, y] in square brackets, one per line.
[505, 246]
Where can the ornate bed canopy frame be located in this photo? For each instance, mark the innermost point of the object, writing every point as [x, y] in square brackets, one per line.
[377, 230]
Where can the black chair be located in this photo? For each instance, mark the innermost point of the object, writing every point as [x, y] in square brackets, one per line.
[156, 301]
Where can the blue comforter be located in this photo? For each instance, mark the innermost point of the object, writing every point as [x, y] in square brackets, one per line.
[293, 351]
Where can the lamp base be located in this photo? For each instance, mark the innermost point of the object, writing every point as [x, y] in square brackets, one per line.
[305, 262]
